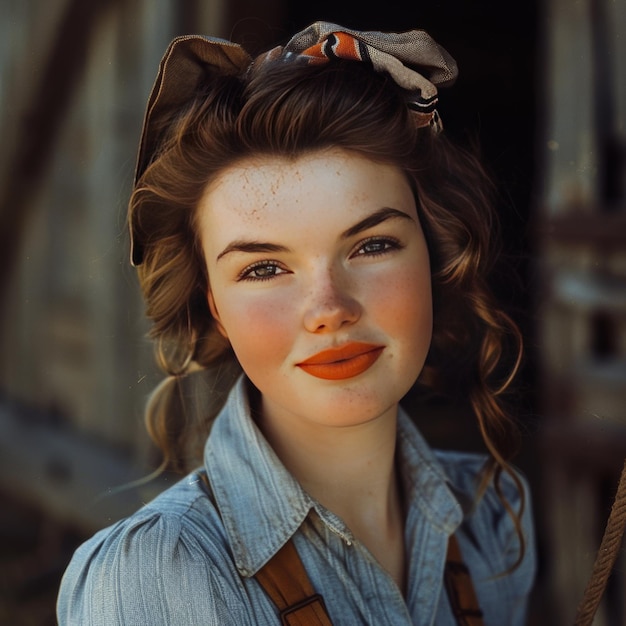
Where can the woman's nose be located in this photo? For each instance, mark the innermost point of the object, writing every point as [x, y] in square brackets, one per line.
[330, 305]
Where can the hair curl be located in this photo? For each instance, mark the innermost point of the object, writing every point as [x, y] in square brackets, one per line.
[287, 110]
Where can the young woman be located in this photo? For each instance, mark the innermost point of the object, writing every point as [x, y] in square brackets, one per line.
[309, 243]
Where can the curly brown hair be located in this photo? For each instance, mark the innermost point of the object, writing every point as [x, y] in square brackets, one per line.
[287, 110]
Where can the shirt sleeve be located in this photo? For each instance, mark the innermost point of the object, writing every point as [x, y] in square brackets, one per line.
[145, 570]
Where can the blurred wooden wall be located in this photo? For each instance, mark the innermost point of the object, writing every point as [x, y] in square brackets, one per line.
[75, 367]
[580, 228]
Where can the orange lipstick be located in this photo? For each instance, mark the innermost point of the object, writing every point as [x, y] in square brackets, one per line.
[346, 361]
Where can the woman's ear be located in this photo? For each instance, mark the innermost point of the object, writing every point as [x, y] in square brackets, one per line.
[216, 315]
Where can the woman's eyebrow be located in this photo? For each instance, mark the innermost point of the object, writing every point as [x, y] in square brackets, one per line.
[382, 215]
[251, 246]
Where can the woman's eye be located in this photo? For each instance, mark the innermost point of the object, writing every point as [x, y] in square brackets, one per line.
[263, 270]
[375, 246]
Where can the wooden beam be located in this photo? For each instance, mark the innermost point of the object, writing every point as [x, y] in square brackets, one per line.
[40, 125]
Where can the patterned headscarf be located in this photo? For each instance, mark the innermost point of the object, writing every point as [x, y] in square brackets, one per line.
[400, 55]
[413, 59]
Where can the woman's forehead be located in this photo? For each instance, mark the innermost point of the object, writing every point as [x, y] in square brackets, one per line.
[267, 187]
[312, 170]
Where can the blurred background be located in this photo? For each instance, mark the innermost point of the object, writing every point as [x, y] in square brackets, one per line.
[542, 86]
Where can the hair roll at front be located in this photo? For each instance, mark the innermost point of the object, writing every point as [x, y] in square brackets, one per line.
[289, 109]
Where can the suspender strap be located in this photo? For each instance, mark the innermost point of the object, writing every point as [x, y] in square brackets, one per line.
[285, 581]
[458, 583]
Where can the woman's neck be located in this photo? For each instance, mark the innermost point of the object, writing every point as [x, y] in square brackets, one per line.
[350, 471]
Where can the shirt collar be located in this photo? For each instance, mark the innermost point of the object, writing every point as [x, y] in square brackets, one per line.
[426, 485]
[261, 503]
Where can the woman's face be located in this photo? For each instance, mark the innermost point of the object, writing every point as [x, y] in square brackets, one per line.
[320, 279]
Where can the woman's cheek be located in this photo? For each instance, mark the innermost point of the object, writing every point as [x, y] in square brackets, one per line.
[401, 305]
[404, 295]
[258, 329]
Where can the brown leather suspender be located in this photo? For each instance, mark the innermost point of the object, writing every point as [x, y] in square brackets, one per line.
[286, 582]
[458, 584]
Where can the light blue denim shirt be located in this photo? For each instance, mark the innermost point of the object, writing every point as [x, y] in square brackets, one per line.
[189, 557]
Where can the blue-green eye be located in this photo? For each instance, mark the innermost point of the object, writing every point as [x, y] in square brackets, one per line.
[377, 245]
[262, 270]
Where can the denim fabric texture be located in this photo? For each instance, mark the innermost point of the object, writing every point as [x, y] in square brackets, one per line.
[189, 556]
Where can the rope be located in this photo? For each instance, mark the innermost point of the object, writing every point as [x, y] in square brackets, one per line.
[606, 557]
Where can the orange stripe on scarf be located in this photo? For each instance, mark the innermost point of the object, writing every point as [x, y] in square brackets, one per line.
[346, 47]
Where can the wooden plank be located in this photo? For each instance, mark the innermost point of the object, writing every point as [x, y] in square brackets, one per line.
[569, 146]
[600, 229]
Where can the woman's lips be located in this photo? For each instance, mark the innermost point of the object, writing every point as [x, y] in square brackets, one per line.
[346, 361]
